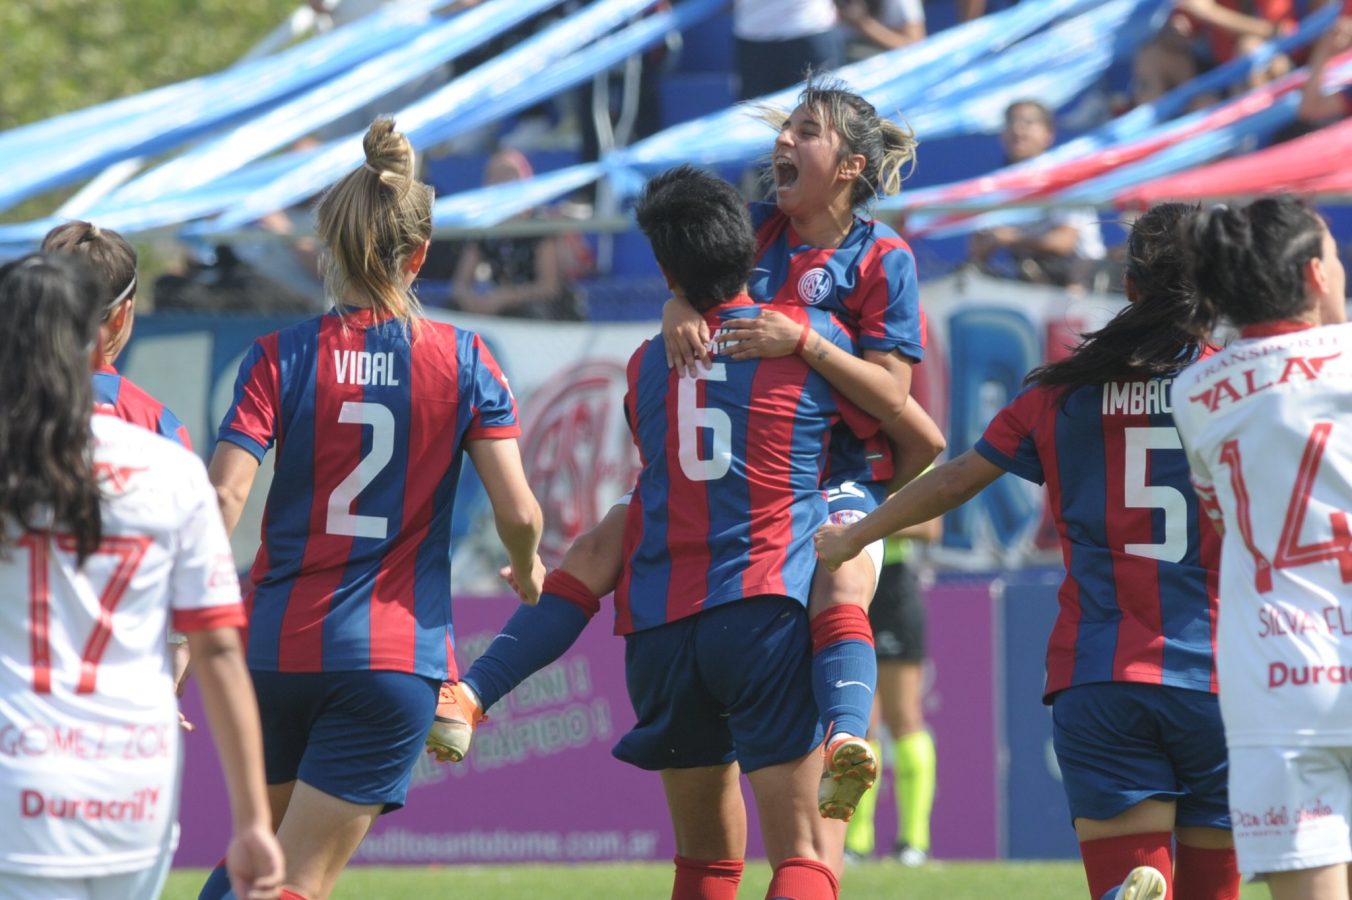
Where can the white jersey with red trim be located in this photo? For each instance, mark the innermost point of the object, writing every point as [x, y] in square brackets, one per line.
[89, 740]
[1267, 424]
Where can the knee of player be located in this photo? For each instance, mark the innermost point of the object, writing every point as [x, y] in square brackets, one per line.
[850, 585]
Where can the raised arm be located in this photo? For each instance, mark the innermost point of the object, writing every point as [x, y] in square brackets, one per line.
[878, 383]
[516, 512]
[916, 442]
[929, 496]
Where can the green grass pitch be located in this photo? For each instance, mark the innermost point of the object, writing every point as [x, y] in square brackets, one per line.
[870, 881]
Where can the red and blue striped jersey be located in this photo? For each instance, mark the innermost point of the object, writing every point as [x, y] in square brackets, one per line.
[1139, 599]
[869, 283]
[729, 494]
[125, 399]
[353, 571]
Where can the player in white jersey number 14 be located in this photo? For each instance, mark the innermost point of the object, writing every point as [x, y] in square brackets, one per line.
[1267, 425]
[108, 534]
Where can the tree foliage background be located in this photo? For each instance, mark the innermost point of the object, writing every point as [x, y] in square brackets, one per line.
[62, 55]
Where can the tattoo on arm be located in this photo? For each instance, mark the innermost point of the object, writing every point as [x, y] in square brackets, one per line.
[820, 348]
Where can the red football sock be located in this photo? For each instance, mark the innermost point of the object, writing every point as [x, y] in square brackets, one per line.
[840, 623]
[571, 588]
[1107, 861]
[1205, 874]
[797, 878]
[706, 879]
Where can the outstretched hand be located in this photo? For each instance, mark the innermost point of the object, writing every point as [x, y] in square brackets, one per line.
[834, 545]
[526, 585]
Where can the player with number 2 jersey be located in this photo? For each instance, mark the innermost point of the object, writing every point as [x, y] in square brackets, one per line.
[371, 408]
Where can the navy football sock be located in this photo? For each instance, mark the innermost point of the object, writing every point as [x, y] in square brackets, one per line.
[217, 886]
[843, 678]
[844, 669]
[533, 638]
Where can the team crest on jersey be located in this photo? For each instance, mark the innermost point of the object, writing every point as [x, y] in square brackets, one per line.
[815, 286]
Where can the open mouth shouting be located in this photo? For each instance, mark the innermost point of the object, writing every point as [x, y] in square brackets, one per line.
[786, 173]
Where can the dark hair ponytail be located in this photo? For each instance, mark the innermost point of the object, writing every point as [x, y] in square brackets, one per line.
[1154, 335]
[51, 306]
[1249, 262]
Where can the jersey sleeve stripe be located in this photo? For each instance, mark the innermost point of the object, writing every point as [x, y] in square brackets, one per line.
[486, 433]
[226, 616]
[245, 442]
[988, 451]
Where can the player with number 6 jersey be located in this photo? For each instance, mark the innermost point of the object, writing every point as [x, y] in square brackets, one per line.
[1267, 423]
[764, 423]
[108, 535]
[371, 409]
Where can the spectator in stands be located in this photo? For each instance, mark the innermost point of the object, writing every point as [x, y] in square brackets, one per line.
[880, 24]
[1163, 63]
[1065, 247]
[1318, 108]
[1224, 29]
[515, 276]
[779, 40]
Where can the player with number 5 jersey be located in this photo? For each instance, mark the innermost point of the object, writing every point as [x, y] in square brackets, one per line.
[1130, 673]
[371, 409]
[1267, 424]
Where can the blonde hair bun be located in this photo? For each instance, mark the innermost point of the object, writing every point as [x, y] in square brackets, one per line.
[388, 153]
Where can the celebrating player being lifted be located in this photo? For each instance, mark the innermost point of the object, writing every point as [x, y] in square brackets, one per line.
[832, 155]
[371, 408]
[717, 568]
[1130, 670]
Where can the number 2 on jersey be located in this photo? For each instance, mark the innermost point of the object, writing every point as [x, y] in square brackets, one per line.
[341, 520]
[129, 552]
[692, 420]
[1290, 551]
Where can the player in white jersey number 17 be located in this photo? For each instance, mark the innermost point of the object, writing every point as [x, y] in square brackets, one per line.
[108, 535]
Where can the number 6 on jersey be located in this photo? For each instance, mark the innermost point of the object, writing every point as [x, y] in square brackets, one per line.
[692, 419]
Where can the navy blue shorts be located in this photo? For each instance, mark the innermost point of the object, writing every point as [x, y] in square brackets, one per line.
[1119, 743]
[353, 735]
[731, 683]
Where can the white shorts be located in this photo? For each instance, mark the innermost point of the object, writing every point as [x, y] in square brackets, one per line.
[1291, 807]
[873, 551]
[147, 883]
